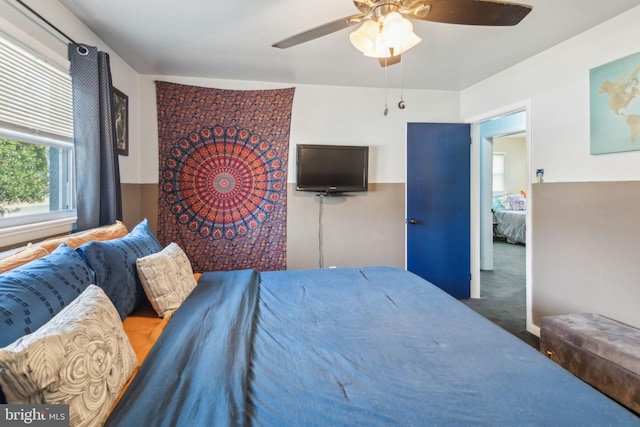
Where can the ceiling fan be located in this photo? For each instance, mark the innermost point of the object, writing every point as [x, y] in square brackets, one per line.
[387, 32]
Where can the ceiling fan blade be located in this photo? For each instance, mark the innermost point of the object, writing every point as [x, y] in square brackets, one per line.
[322, 30]
[474, 12]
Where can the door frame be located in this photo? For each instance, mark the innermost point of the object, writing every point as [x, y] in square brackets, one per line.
[476, 171]
[508, 124]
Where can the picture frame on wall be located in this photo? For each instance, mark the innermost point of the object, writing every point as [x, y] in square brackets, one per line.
[121, 112]
[614, 101]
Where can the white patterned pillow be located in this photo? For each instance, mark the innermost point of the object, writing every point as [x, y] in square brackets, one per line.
[81, 357]
[167, 278]
[518, 202]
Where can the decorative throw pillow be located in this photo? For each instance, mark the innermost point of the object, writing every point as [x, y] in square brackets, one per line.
[82, 357]
[114, 263]
[20, 258]
[504, 201]
[108, 232]
[167, 279]
[496, 206]
[518, 202]
[30, 295]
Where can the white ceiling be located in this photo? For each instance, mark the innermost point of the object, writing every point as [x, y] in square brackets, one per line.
[232, 40]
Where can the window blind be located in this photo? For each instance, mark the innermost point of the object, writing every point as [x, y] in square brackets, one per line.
[35, 97]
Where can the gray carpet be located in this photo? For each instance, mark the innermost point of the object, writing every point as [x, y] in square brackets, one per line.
[502, 292]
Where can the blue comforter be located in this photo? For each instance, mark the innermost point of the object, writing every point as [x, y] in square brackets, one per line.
[355, 346]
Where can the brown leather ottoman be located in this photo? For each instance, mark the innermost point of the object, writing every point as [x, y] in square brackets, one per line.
[601, 351]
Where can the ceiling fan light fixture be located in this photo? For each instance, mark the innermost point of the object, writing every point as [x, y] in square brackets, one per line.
[410, 42]
[385, 37]
[395, 29]
[378, 50]
[364, 38]
[383, 50]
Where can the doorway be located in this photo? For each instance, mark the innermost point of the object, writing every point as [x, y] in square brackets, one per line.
[503, 274]
[511, 122]
[481, 223]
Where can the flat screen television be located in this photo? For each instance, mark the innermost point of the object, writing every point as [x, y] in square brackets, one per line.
[332, 169]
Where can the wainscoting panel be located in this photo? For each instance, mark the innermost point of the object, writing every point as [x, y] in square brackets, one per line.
[140, 201]
[585, 249]
[360, 229]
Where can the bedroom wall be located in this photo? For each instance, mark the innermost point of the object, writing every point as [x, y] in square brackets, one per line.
[556, 83]
[325, 115]
[515, 149]
[364, 229]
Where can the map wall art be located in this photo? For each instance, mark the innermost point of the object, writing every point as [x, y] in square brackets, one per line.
[615, 106]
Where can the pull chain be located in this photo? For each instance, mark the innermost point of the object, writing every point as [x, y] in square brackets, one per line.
[386, 108]
[401, 103]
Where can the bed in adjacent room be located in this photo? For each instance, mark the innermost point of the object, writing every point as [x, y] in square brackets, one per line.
[352, 346]
[510, 217]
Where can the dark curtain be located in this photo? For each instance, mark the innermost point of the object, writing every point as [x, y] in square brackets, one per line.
[99, 201]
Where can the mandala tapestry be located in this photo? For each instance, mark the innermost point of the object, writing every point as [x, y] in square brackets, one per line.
[223, 157]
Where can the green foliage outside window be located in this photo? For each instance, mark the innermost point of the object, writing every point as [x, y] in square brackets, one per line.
[24, 174]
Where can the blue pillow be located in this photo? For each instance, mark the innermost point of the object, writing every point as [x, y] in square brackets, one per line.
[497, 204]
[114, 262]
[30, 295]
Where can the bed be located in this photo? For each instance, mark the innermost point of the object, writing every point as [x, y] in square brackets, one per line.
[347, 346]
[352, 346]
[510, 217]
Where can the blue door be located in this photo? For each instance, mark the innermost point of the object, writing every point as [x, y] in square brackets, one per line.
[438, 205]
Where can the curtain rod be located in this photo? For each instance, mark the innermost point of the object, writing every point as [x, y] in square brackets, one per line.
[83, 50]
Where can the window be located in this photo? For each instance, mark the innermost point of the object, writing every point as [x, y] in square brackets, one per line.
[36, 142]
[499, 184]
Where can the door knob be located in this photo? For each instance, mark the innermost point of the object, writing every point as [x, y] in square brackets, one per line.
[413, 221]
